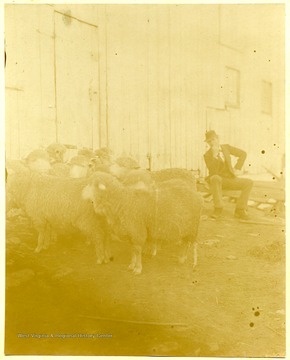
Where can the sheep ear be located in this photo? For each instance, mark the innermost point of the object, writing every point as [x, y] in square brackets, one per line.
[102, 187]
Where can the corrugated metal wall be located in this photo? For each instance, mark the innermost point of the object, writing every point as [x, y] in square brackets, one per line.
[161, 80]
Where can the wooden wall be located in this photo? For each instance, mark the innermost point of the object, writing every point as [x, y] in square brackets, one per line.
[158, 79]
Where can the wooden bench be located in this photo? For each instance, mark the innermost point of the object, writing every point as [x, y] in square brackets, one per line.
[265, 195]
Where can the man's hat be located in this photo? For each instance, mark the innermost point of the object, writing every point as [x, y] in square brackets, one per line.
[210, 135]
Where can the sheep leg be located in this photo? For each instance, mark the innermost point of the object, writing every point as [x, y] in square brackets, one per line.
[151, 248]
[103, 241]
[100, 252]
[93, 229]
[184, 252]
[107, 250]
[133, 260]
[138, 259]
[194, 255]
[103, 250]
[49, 237]
[40, 241]
[46, 239]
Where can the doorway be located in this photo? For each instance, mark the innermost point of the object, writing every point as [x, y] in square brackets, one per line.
[77, 87]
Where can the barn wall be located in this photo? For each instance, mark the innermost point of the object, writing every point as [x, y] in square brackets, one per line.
[30, 108]
[247, 50]
[160, 77]
[162, 80]
[31, 83]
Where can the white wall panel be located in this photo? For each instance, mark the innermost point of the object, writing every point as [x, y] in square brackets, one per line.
[77, 82]
[161, 67]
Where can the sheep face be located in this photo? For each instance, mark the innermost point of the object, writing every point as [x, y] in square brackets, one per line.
[93, 163]
[56, 152]
[88, 193]
[94, 194]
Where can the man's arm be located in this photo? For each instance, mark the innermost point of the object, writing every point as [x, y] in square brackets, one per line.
[240, 154]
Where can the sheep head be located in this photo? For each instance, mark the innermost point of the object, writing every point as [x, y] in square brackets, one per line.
[88, 193]
[97, 191]
[56, 152]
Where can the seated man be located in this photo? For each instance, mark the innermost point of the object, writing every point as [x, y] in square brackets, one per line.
[223, 176]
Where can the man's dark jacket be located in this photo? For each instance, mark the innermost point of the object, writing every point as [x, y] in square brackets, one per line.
[225, 169]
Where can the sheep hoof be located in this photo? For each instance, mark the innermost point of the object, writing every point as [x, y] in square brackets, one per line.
[137, 271]
[99, 261]
[182, 259]
[38, 249]
[131, 267]
[108, 259]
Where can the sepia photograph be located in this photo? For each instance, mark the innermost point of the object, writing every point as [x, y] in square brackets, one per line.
[144, 186]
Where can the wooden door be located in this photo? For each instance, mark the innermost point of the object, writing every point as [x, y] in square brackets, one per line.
[77, 82]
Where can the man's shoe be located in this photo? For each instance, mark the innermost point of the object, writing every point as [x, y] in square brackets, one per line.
[217, 213]
[241, 214]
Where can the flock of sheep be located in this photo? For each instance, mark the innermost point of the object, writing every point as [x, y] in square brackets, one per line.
[103, 197]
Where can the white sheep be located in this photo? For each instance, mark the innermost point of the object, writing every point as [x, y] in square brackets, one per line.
[170, 213]
[128, 171]
[56, 205]
[174, 173]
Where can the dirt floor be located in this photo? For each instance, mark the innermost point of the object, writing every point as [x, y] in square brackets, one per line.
[60, 302]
